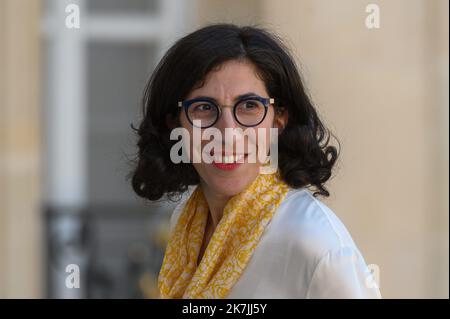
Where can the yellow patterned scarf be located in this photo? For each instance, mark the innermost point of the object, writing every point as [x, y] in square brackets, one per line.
[244, 219]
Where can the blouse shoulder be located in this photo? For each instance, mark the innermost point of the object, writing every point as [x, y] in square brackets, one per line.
[311, 223]
[318, 239]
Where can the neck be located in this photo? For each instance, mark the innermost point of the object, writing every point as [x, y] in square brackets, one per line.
[216, 203]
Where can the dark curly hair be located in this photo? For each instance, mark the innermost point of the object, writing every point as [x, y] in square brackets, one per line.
[305, 157]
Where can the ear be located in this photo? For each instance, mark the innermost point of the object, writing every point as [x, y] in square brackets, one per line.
[281, 118]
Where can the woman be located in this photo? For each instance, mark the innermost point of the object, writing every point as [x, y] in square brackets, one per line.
[239, 232]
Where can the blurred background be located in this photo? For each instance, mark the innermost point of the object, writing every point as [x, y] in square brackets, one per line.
[68, 97]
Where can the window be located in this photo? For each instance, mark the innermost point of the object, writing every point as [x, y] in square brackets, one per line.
[94, 79]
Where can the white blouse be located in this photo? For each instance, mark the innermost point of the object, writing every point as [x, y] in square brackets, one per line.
[304, 252]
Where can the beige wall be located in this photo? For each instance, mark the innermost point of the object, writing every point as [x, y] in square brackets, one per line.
[20, 237]
[383, 92]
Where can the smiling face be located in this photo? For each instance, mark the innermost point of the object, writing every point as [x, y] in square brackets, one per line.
[233, 78]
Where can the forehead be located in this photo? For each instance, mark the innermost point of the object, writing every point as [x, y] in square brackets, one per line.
[231, 79]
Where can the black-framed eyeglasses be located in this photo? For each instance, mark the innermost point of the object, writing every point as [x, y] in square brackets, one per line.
[249, 111]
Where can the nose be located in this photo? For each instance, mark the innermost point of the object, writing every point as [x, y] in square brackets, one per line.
[226, 119]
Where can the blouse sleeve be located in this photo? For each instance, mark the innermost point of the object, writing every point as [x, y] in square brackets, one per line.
[342, 273]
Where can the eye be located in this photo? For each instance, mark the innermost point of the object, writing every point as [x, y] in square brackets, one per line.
[249, 105]
[204, 107]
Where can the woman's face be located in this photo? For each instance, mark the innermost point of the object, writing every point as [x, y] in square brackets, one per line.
[232, 79]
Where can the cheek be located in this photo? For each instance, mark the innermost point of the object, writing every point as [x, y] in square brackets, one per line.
[184, 121]
[263, 133]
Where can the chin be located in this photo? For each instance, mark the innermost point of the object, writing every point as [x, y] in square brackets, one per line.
[229, 184]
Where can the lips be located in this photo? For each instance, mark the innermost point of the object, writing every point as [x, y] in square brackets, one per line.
[227, 167]
[228, 159]
[228, 162]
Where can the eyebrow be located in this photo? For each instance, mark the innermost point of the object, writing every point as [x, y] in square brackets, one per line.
[239, 97]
